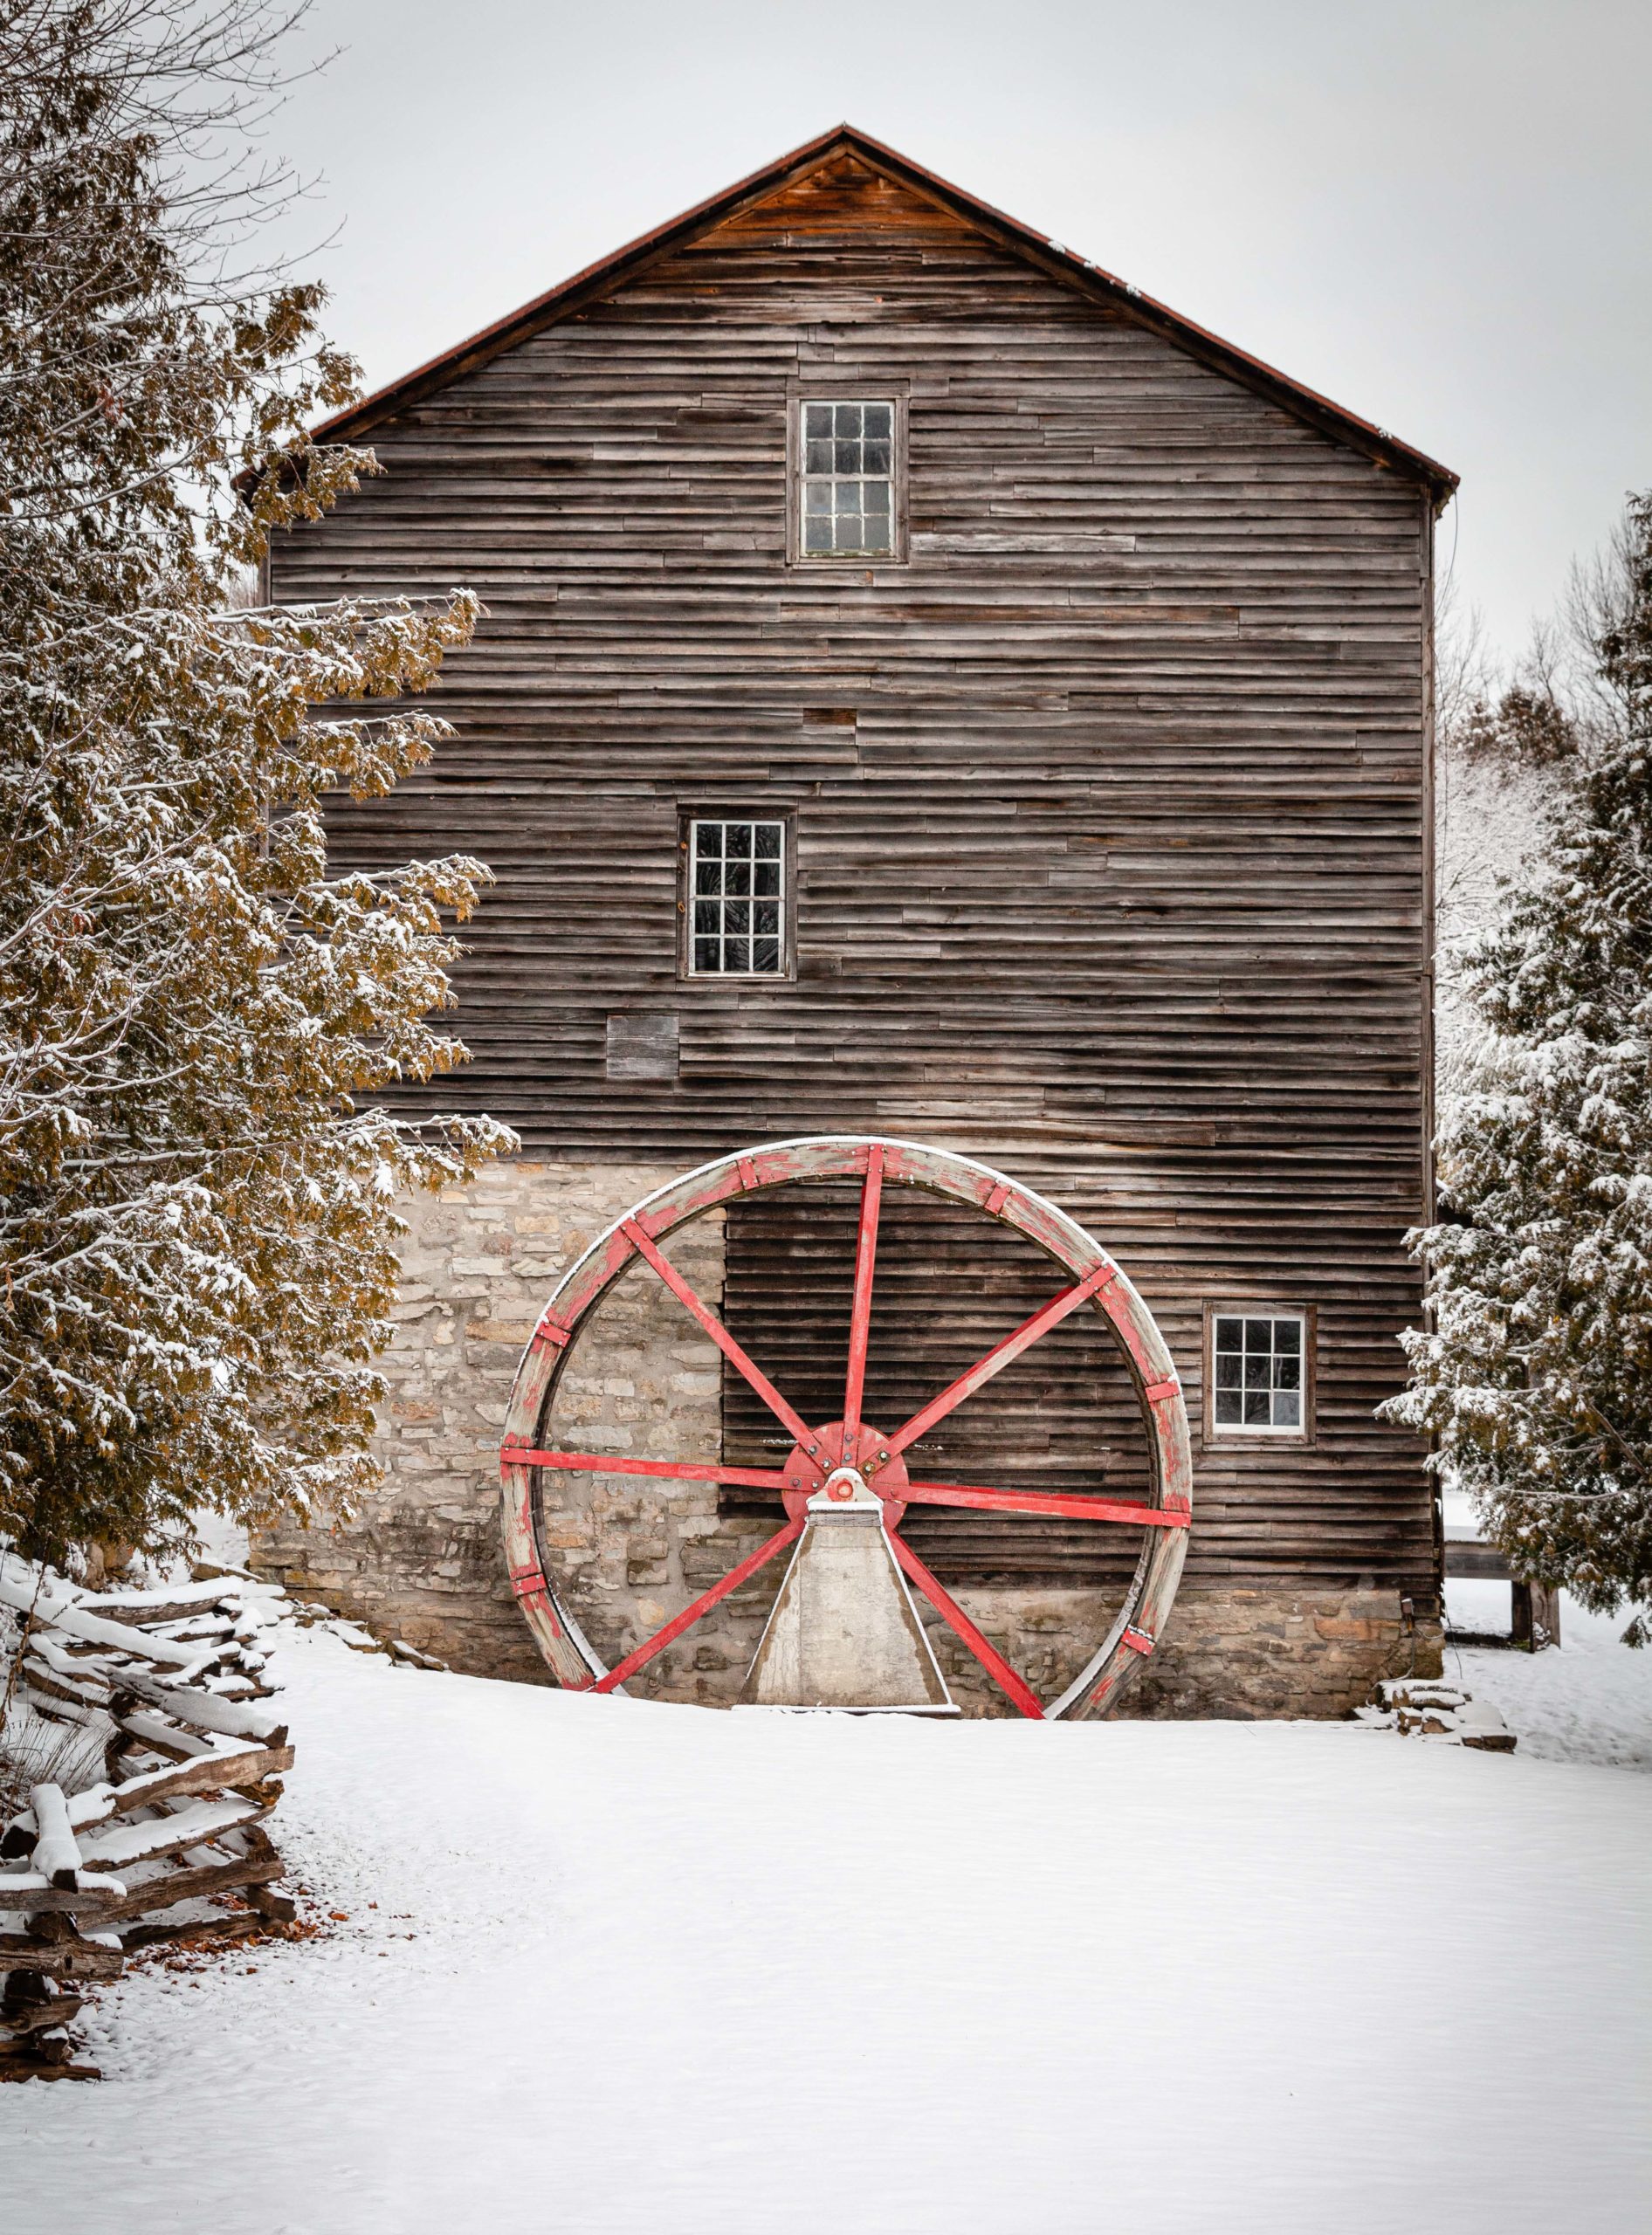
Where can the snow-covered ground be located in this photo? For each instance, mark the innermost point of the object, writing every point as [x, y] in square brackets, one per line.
[638, 1967]
[1590, 1701]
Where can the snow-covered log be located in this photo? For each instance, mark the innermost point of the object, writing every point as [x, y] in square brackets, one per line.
[205, 1711]
[30, 1893]
[54, 1608]
[170, 1834]
[234, 1763]
[195, 1882]
[173, 1601]
[57, 1854]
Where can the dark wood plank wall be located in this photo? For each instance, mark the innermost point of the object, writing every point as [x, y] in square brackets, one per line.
[1063, 1417]
[1109, 804]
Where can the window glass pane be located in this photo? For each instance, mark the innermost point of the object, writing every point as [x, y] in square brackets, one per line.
[850, 479]
[1258, 1367]
[727, 861]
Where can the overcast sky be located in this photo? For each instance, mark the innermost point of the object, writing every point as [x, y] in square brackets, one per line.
[1439, 212]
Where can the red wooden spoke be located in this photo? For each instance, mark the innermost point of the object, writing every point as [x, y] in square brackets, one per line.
[954, 1617]
[1049, 1315]
[860, 1318]
[675, 1470]
[792, 1422]
[1066, 1509]
[703, 1605]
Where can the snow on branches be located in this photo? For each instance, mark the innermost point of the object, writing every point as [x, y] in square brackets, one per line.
[1537, 1377]
[196, 1187]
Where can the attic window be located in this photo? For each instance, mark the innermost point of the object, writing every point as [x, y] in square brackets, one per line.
[847, 480]
[736, 899]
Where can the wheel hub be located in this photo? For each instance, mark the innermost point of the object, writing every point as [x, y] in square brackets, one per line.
[844, 1473]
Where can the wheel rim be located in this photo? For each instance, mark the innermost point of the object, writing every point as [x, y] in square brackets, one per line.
[876, 1453]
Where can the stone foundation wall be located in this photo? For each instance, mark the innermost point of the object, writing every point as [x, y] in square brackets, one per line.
[423, 1562]
[1281, 1649]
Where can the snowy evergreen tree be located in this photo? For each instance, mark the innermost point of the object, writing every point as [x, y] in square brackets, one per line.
[196, 1187]
[1537, 1379]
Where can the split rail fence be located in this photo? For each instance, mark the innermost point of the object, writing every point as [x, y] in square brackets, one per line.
[170, 1844]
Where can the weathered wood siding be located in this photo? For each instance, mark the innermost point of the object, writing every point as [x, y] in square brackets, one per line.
[1109, 804]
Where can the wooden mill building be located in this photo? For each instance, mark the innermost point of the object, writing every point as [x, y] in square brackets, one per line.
[929, 689]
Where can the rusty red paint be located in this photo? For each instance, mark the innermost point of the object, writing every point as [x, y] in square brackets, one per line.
[1159, 1391]
[670, 1470]
[703, 1605]
[1066, 1509]
[803, 1474]
[1138, 1640]
[860, 1314]
[529, 1583]
[997, 1198]
[953, 1615]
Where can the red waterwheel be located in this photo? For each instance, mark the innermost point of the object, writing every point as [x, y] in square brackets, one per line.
[530, 1448]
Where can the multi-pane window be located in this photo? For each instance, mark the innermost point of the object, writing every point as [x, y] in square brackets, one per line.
[1259, 1361]
[737, 896]
[848, 480]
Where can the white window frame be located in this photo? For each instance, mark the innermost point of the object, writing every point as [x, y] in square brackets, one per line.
[1257, 1432]
[804, 394]
[691, 825]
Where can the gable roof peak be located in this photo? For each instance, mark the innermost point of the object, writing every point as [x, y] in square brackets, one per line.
[1051, 255]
